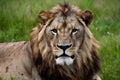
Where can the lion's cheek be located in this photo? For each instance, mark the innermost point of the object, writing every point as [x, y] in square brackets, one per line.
[64, 61]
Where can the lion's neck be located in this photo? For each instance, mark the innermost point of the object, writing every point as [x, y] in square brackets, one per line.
[58, 72]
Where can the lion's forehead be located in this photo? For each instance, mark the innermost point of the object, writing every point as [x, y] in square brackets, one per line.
[65, 23]
[68, 19]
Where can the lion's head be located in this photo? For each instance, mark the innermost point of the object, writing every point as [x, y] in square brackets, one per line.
[62, 42]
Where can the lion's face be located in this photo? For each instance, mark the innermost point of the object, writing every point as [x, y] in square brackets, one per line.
[65, 35]
[63, 29]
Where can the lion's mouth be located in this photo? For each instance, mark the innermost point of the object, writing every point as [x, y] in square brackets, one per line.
[65, 55]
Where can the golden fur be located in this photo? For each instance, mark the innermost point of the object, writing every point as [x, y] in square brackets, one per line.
[62, 24]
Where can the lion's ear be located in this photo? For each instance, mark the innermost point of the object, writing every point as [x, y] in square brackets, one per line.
[44, 16]
[87, 17]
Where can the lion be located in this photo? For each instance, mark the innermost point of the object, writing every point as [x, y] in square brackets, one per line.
[61, 47]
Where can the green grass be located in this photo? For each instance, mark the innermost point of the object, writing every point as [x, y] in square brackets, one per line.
[18, 17]
[11, 78]
[0, 78]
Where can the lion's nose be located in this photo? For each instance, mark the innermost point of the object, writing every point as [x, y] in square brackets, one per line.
[64, 47]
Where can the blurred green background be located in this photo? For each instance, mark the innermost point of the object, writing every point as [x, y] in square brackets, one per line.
[18, 17]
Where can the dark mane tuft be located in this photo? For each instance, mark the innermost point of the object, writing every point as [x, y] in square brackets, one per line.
[65, 9]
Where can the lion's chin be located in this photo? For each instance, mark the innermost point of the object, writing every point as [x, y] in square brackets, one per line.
[64, 60]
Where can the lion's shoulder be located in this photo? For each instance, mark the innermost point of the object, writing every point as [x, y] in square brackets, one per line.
[15, 60]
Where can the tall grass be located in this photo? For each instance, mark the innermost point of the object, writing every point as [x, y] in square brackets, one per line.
[18, 17]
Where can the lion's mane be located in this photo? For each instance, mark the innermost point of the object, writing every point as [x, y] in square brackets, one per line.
[84, 66]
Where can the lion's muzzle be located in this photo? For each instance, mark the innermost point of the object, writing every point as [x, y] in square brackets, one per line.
[64, 57]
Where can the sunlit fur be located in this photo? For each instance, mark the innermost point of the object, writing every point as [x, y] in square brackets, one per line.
[84, 46]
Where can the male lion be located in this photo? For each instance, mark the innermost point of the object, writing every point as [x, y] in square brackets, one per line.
[61, 47]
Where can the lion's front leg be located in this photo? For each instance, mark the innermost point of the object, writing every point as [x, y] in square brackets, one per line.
[96, 77]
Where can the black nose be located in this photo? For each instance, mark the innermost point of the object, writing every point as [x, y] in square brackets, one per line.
[64, 47]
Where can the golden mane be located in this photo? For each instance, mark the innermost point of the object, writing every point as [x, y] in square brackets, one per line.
[84, 67]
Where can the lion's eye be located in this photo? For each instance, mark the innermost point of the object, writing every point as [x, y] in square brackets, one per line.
[54, 31]
[74, 31]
